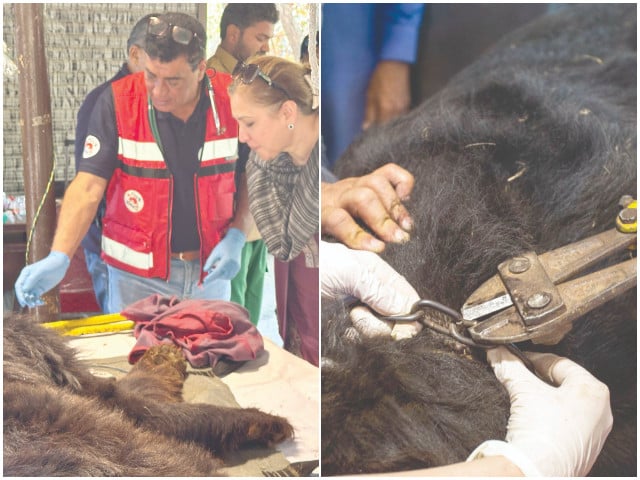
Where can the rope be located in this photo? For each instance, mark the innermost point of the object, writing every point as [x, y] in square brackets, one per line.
[37, 214]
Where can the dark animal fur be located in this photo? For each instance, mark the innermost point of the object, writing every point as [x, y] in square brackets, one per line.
[557, 101]
[59, 420]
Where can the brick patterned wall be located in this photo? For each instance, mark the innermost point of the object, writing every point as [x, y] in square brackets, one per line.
[85, 46]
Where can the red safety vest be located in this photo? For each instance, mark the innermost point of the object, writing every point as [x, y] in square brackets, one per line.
[136, 233]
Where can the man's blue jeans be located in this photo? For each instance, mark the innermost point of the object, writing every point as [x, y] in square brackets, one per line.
[99, 277]
[126, 288]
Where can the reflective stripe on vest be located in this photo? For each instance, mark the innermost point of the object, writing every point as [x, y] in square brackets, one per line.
[226, 148]
[150, 152]
[127, 255]
[140, 151]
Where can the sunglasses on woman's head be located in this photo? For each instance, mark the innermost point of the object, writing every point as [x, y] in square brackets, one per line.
[160, 28]
[248, 73]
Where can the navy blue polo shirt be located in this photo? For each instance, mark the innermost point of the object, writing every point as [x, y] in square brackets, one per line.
[181, 143]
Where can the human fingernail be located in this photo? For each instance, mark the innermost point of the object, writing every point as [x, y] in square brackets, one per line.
[374, 245]
[401, 236]
[407, 223]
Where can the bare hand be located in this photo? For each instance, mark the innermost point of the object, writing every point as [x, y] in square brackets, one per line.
[389, 93]
[376, 199]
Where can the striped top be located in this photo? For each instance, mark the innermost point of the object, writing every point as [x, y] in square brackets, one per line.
[283, 199]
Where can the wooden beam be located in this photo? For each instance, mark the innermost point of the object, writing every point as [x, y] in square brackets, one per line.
[37, 139]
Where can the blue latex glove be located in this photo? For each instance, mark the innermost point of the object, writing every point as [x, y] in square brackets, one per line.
[224, 261]
[40, 277]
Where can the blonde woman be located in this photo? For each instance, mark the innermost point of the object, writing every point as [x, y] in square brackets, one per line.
[277, 112]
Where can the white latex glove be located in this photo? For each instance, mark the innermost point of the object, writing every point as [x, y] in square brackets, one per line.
[552, 431]
[369, 278]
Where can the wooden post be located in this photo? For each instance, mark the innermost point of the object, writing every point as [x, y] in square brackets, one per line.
[37, 139]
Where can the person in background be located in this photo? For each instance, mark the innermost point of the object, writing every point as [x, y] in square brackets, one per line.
[367, 51]
[304, 49]
[276, 106]
[245, 31]
[91, 241]
[162, 144]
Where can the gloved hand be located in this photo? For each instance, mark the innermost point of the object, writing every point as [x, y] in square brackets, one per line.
[40, 277]
[224, 260]
[552, 431]
[368, 277]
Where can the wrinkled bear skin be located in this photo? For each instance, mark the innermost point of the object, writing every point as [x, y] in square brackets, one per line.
[59, 420]
[529, 148]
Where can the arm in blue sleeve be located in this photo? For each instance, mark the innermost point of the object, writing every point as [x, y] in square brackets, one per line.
[401, 31]
[326, 175]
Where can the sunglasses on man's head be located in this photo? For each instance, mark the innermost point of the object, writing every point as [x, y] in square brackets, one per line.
[248, 73]
[160, 28]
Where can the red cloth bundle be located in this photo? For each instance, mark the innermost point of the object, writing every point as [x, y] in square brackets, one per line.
[206, 330]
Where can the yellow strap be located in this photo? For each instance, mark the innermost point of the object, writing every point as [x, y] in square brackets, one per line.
[97, 320]
[103, 328]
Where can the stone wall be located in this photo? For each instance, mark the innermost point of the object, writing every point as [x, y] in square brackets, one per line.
[85, 46]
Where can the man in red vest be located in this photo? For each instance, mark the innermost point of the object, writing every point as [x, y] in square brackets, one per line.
[91, 243]
[162, 144]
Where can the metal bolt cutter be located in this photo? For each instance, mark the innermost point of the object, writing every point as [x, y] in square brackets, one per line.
[536, 297]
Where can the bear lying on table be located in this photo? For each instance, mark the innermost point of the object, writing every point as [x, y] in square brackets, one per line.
[60, 420]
